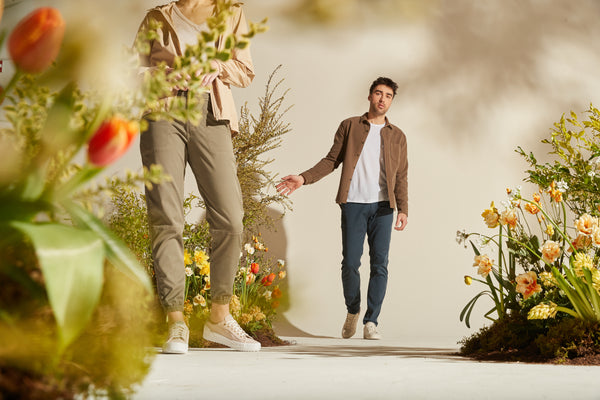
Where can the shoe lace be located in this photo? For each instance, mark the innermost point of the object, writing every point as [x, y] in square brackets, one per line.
[234, 328]
[177, 331]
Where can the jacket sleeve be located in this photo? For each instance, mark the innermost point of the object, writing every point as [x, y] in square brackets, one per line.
[401, 188]
[239, 70]
[157, 51]
[332, 160]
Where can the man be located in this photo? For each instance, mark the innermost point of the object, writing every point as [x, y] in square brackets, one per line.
[373, 183]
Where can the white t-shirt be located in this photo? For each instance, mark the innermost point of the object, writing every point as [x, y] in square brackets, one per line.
[187, 31]
[368, 184]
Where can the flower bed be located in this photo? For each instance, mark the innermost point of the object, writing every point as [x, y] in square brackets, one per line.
[540, 270]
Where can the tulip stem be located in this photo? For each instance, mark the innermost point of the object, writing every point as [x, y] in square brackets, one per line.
[13, 81]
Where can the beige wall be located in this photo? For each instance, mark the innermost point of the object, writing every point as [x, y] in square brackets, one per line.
[476, 82]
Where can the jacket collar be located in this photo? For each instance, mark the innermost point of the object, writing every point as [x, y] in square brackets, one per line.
[363, 119]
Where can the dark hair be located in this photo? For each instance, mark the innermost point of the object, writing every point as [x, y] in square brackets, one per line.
[384, 81]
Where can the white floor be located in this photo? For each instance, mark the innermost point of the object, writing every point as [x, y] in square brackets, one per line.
[330, 368]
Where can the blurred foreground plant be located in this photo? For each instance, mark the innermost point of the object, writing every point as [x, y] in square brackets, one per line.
[58, 260]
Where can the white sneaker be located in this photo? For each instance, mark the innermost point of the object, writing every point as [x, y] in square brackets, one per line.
[177, 343]
[370, 331]
[349, 328]
[230, 334]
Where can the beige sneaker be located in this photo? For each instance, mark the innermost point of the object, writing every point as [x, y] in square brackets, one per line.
[349, 328]
[230, 334]
[370, 331]
[177, 343]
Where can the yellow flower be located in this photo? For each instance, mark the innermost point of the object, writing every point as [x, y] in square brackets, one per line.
[550, 230]
[550, 251]
[187, 258]
[245, 319]
[254, 310]
[581, 261]
[586, 224]
[527, 284]
[200, 257]
[548, 279]
[491, 216]
[509, 217]
[596, 280]
[536, 198]
[468, 280]
[282, 274]
[205, 268]
[234, 304]
[259, 316]
[484, 264]
[543, 311]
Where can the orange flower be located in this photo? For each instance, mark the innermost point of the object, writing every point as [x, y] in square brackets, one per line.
[484, 264]
[581, 242]
[276, 293]
[586, 224]
[550, 251]
[268, 280]
[532, 208]
[527, 284]
[254, 267]
[509, 217]
[275, 303]
[35, 42]
[537, 198]
[111, 140]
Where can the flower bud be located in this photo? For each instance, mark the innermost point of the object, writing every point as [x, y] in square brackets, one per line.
[111, 140]
[35, 42]
[468, 280]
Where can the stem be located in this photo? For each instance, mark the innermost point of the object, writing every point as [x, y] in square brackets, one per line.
[13, 81]
[501, 292]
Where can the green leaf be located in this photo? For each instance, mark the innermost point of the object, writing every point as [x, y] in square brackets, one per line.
[116, 251]
[466, 311]
[72, 262]
[223, 56]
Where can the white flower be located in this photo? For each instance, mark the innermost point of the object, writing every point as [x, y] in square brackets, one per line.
[189, 271]
[268, 294]
[249, 248]
[281, 263]
[562, 186]
[592, 174]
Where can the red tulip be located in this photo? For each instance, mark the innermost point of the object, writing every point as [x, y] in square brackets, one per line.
[35, 42]
[268, 280]
[254, 267]
[111, 141]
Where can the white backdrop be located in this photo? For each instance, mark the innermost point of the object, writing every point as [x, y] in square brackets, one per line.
[476, 80]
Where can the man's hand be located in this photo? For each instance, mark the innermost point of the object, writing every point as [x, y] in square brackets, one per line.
[289, 183]
[401, 222]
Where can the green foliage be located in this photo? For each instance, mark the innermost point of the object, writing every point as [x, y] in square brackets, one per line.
[575, 145]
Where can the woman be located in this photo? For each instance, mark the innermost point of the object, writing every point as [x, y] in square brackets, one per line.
[208, 149]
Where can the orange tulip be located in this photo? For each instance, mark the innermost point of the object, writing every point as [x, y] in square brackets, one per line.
[276, 293]
[254, 267]
[268, 280]
[111, 141]
[35, 42]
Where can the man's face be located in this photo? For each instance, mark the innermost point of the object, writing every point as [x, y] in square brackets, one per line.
[380, 99]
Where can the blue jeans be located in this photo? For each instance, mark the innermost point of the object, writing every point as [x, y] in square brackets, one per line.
[375, 221]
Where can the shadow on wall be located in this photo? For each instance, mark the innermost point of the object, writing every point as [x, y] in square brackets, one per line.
[476, 59]
[276, 239]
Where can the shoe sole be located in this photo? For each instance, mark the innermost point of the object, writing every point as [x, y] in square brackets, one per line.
[175, 348]
[217, 338]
